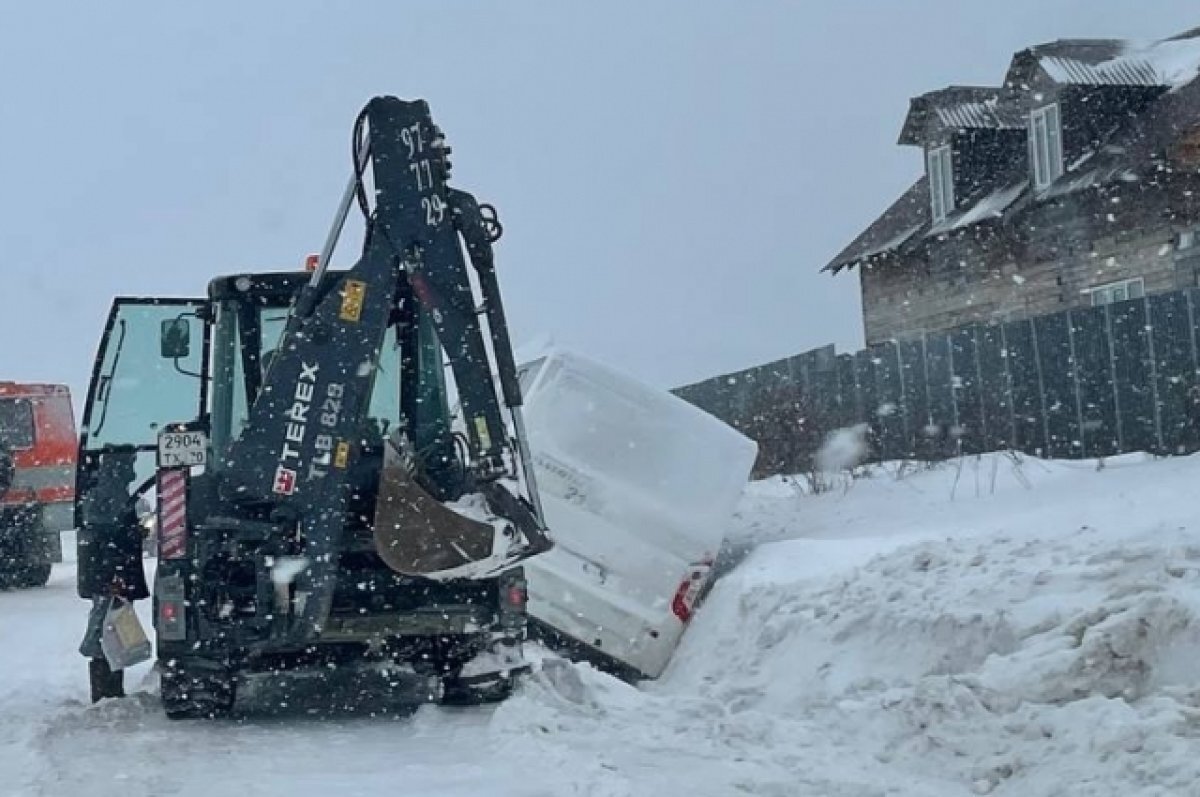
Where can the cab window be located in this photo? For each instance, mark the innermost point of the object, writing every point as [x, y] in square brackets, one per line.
[16, 424]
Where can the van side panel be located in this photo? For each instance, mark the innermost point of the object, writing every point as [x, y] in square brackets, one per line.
[45, 472]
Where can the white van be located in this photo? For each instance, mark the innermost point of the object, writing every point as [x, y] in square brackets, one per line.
[638, 487]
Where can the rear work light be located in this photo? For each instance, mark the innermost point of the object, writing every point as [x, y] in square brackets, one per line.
[170, 596]
[514, 594]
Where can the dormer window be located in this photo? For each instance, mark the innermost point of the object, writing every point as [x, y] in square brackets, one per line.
[1045, 146]
[941, 181]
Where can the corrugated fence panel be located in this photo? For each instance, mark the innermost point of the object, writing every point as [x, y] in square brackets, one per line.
[1091, 382]
[890, 400]
[1058, 385]
[1094, 371]
[941, 395]
[850, 410]
[967, 393]
[994, 388]
[1029, 423]
[916, 398]
[1131, 368]
[864, 373]
[1171, 330]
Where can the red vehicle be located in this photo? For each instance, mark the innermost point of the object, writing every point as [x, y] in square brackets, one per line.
[37, 480]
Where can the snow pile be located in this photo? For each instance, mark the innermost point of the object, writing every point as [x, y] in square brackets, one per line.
[987, 627]
[996, 625]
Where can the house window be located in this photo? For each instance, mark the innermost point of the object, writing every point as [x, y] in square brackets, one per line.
[1118, 291]
[941, 181]
[1045, 145]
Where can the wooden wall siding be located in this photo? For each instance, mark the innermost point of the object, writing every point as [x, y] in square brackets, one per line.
[1042, 263]
[1186, 152]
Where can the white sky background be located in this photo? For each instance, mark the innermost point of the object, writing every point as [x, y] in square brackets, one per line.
[671, 175]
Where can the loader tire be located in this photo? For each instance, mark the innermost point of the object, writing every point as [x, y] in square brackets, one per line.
[197, 694]
[458, 693]
[33, 575]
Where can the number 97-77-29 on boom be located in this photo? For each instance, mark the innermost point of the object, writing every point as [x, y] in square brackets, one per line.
[320, 508]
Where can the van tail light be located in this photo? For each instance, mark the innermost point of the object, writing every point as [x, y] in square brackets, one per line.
[172, 514]
[683, 605]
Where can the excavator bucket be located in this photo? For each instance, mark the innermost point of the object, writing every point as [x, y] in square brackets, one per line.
[417, 535]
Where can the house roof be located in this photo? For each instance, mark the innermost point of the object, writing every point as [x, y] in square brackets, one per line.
[960, 107]
[1169, 63]
[1131, 149]
[899, 223]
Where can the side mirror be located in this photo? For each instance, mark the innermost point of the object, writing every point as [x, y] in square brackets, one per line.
[175, 339]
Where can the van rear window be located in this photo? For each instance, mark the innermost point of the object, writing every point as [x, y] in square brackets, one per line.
[16, 423]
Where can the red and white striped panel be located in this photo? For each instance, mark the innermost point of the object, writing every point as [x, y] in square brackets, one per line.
[172, 514]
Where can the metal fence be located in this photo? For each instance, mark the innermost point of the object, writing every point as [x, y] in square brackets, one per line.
[1088, 382]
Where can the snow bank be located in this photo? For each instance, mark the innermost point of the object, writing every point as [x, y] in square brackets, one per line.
[995, 626]
[992, 626]
[1040, 638]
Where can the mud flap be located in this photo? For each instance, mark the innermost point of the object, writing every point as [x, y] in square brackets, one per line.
[417, 535]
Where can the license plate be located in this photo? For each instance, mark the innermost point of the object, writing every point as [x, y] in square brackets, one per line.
[182, 449]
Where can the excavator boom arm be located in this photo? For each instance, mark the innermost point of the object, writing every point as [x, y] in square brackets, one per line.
[305, 426]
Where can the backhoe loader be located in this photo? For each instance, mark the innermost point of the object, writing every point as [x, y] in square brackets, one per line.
[320, 508]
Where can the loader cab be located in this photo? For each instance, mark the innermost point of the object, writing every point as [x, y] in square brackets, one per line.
[249, 313]
[196, 366]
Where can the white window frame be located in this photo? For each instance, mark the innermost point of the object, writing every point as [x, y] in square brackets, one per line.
[1045, 145]
[939, 165]
[1118, 291]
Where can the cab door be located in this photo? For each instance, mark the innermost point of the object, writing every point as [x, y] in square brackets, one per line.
[149, 372]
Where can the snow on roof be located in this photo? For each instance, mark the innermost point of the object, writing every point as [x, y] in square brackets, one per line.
[1117, 72]
[1171, 63]
[1177, 61]
[976, 115]
[892, 243]
[988, 207]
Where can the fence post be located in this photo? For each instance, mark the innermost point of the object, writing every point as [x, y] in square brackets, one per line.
[1037, 364]
[1008, 383]
[1151, 350]
[1191, 310]
[1112, 378]
[953, 387]
[1075, 385]
[902, 405]
[979, 389]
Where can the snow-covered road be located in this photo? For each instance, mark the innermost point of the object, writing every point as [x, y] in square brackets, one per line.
[990, 628]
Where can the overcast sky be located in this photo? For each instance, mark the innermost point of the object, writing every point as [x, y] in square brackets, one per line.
[671, 175]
